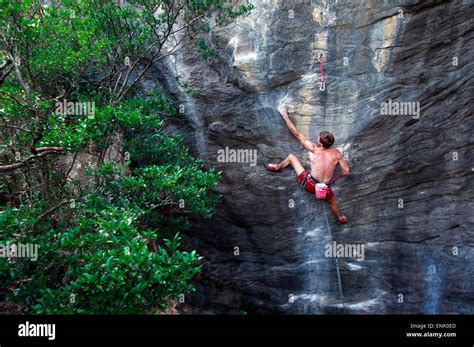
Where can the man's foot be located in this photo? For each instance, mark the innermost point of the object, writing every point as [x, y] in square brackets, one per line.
[341, 220]
[272, 167]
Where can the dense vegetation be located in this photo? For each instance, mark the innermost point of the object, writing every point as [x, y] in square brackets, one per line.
[108, 231]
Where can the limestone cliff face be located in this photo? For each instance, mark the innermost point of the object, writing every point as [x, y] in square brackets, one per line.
[409, 197]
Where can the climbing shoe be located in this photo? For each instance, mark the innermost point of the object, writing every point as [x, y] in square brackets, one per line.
[341, 220]
[272, 168]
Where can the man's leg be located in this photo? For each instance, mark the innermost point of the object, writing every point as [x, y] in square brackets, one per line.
[290, 160]
[334, 210]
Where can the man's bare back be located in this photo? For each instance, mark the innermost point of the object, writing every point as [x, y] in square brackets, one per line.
[323, 162]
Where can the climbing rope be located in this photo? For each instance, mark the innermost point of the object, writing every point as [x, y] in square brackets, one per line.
[322, 87]
[336, 178]
[339, 282]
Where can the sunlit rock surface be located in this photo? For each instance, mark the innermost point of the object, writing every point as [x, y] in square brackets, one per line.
[409, 198]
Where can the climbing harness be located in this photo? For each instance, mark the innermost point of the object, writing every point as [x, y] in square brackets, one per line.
[322, 85]
[334, 179]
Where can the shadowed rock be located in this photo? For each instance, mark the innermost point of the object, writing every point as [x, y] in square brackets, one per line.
[409, 196]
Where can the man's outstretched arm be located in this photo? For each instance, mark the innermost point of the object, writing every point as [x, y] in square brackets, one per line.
[299, 136]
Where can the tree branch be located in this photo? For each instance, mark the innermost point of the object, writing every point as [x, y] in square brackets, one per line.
[16, 127]
[42, 152]
[52, 209]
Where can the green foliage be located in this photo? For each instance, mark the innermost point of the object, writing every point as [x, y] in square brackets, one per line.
[118, 273]
[108, 259]
[134, 115]
[205, 51]
[108, 236]
[185, 85]
[110, 266]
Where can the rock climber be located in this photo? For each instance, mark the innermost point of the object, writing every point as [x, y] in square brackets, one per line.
[323, 159]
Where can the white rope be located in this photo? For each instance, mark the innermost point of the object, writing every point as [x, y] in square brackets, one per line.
[339, 282]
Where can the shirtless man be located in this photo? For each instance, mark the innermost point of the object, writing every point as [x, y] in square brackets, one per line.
[323, 159]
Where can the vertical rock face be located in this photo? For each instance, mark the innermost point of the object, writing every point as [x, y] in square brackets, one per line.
[409, 198]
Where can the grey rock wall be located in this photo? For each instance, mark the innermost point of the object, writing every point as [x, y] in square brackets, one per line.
[409, 198]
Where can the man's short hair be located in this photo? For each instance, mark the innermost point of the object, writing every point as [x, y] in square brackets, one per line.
[326, 139]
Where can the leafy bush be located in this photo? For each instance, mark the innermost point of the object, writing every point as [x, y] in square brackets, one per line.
[118, 272]
[107, 260]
